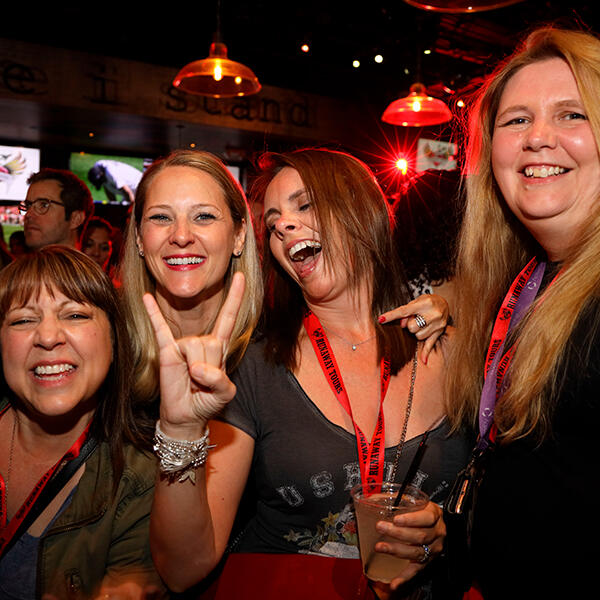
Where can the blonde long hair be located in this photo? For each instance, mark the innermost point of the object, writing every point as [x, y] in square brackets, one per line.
[494, 247]
[137, 279]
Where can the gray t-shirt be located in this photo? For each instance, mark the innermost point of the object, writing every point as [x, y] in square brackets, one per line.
[304, 466]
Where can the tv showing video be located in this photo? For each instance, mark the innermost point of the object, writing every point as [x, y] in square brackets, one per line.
[111, 179]
[16, 165]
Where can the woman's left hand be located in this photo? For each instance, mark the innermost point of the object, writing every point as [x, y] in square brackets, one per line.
[413, 532]
[432, 309]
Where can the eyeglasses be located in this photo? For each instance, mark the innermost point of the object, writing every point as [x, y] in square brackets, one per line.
[40, 206]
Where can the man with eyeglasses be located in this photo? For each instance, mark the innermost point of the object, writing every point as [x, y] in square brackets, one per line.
[57, 207]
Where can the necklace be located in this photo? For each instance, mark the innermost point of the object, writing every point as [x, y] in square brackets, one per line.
[353, 345]
[409, 401]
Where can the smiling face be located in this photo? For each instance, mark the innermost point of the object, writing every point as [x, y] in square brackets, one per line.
[544, 155]
[294, 238]
[56, 354]
[187, 234]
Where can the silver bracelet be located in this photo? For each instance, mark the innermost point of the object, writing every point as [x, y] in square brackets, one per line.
[179, 459]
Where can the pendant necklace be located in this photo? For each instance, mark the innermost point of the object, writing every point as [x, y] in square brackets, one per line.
[353, 345]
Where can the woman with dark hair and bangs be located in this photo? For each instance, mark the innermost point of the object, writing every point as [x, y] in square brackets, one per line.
[331, 275]
[76, 478]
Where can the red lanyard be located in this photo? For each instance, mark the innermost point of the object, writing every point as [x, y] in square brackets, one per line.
[519, 297]
[8, 530]
[371, 454]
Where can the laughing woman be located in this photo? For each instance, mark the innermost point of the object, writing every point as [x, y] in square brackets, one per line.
[533, 215]
[330, 272]
[77, 474]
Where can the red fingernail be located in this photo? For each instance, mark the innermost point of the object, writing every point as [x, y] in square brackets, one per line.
[381, 319]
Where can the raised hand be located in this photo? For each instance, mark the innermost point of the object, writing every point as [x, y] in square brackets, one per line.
[193, 383]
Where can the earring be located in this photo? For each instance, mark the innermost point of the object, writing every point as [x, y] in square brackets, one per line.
[141, 253]
[237, 254]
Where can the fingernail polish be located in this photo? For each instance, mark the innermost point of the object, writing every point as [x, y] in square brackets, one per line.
[381, 319]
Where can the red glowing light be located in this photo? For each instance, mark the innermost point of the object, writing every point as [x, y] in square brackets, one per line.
[402, 165]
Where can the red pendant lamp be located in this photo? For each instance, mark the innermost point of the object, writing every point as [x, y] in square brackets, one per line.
[217, 76]
[460, 6]
[417, 109]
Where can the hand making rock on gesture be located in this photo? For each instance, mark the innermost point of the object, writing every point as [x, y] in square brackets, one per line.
[193, 384]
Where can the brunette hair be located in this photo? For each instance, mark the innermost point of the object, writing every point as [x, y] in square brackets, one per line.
[347, 200]
[73, 192]
[494, 247]
[137, 279]
[66, 270]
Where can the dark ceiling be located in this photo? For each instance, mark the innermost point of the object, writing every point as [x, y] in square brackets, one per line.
[266, 35]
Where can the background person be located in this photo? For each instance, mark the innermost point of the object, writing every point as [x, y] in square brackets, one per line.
[533, 190]
[16, 243]
[69, 429]
[56, 208]
[118, 179]
[101, 242]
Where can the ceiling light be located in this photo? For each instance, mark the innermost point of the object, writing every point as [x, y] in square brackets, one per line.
[217, 76]
[460, 6]
[304, 48]
[378, 58]
[356, 64]
[417, 109]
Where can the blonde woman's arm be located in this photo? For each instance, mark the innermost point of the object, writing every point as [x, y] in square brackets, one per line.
[194, 509]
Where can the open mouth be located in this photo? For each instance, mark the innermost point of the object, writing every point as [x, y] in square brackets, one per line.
[305, 249]
[543, 172]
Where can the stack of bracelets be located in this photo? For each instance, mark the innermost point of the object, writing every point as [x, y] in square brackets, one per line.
[180, 458]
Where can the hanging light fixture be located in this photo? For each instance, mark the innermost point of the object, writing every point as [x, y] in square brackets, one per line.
[217, 76]
[460, 6]
[417, 109]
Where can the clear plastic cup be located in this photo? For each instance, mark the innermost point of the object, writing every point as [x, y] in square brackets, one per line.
[377, 504]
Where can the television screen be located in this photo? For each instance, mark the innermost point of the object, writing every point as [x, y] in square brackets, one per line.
[16, 165]
[111, 179]
[11, 220]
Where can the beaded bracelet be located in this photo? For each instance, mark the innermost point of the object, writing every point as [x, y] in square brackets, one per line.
[179, 458]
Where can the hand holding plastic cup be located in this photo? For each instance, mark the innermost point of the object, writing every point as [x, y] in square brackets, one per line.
[380, 504]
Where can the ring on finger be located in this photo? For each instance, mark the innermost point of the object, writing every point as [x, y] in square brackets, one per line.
[421, 322]
[426, 555]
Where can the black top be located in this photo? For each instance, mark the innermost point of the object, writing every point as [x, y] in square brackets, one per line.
[536, 518]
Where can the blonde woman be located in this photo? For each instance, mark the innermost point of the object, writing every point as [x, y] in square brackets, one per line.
[533, 193]
[189, 232]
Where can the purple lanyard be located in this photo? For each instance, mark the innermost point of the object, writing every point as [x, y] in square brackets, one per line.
[517, 301]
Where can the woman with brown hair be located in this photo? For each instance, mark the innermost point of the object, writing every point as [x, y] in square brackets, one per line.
[77, 474]
[532, 227]
[331, 269]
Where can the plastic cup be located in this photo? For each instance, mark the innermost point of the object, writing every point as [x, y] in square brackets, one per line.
[377, 504]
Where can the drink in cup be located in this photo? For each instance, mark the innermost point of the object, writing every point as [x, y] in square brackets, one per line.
[379, 505]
